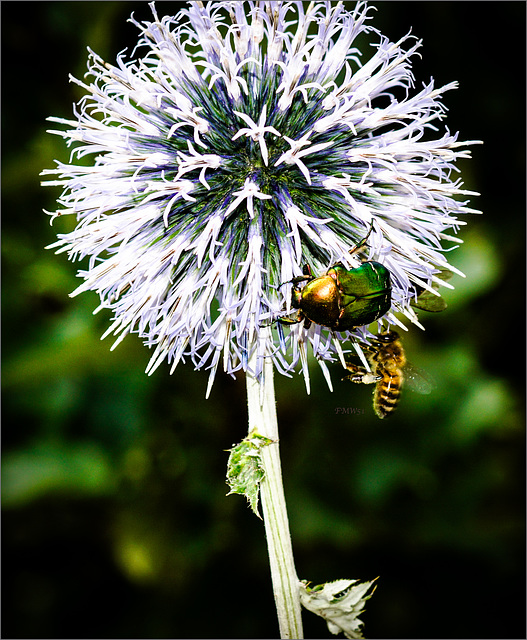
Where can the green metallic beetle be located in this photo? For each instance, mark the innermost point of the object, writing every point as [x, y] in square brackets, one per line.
[342, 299]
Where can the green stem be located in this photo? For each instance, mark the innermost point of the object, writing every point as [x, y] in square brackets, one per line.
[262, 415]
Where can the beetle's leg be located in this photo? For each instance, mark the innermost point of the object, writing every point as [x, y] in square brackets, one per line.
[296, 320]
[287, 320]
[360, 245]
[297, 280]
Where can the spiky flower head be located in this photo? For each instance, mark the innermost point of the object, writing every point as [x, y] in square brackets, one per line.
[241, 141]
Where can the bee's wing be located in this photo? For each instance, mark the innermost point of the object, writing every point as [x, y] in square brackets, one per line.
[428, 301]
[418, 380]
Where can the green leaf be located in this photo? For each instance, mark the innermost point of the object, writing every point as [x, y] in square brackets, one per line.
[340, 603]
[244, 468]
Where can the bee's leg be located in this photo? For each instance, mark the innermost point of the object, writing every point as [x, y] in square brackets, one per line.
[360, 375]
[386, 337]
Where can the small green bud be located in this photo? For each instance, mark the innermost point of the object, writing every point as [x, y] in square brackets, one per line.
[244, 468]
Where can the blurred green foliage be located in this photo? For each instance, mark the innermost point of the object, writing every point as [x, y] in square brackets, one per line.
[115, 516]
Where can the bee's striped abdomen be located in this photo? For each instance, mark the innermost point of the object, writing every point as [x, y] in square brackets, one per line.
[387, 391]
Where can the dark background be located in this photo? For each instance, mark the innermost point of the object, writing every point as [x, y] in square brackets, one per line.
[115, 518]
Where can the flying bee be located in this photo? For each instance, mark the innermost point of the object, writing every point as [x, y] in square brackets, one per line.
[390, 370]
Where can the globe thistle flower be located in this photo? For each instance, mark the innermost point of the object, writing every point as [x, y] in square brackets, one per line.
[240, 142]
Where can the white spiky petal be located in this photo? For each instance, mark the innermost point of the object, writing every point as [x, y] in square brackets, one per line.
[247, 141]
